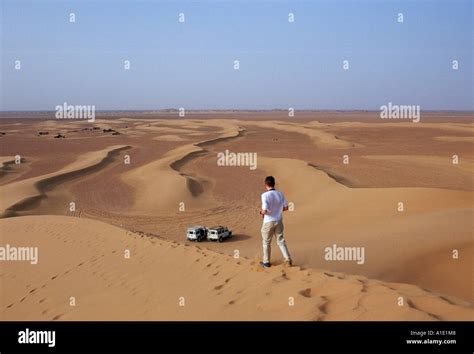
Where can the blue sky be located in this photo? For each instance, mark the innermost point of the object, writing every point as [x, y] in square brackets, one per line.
[282, 64]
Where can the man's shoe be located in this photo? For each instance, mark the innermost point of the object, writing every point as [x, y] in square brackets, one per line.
[288, 263]
[265, 264]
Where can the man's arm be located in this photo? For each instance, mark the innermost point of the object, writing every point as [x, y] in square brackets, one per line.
[264, 210]
[285, 203]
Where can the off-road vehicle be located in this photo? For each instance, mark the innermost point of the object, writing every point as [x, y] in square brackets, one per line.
[218, 233]
[196, 233]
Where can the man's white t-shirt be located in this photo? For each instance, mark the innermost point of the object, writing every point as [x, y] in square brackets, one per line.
[274, 201]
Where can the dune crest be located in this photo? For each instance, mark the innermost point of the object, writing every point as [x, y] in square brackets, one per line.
[315, 130]
[17, 195]
[326, 212]
[163, 177]
[170, 281]
[174, 181]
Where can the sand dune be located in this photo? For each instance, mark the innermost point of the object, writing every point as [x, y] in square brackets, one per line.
[451, 126]
[162, 177]
[169, 137]
[158, 187]
[174, 161]
[15, 195]
[159, 275]
[427, 161]
[327, 212]
[469, 139]
[314, 130]
[6, 160]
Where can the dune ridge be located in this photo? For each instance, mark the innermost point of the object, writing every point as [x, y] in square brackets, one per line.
[332, 203]
[160, 275]
[6, 161]
[315, 130]
[336, 177]
[163, 177]
[372, 215]
[19, 195]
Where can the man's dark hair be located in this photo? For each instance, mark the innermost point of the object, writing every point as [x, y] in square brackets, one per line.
[270, 181]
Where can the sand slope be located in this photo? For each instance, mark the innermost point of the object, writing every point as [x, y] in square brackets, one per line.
[25, 191]
[159, 184]
[174, 161]
[84, 259]
[314, 130]
[434, 222]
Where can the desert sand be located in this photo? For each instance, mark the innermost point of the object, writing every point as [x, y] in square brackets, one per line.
[139, 189]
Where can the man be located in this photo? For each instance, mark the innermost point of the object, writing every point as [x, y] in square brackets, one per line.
[273, 205]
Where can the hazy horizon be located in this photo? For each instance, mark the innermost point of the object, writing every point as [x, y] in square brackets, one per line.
[164, 110]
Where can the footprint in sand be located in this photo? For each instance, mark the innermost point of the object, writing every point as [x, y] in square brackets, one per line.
[306, 292]
[218, 287]
[323, 308]
[281, 277]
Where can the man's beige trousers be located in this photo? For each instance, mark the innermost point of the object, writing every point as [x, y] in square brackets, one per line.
[269, 229]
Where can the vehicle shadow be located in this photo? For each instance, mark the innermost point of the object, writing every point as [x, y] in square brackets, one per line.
[237, 238]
